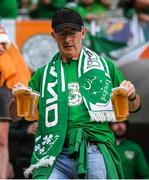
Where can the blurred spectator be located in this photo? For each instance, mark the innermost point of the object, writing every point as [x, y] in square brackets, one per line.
[134, 163]
[92, 9]
[24, 7]
[8, 8]
[59, 4]
[5, 96]
[4, 158]
[12, 65]
[12, 70]
[128, 7]
[140, 7]
[44, 9]
[72, 1]
[21, 143]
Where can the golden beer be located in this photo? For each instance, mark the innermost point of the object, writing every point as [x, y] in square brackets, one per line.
[33, 112]
[34, 117]
[23, 101]
[120, 103]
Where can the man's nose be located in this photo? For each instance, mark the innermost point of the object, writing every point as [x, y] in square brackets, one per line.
[67, 38]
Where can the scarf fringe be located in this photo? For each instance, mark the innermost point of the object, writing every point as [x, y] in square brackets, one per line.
[42, 163]
[102, 116]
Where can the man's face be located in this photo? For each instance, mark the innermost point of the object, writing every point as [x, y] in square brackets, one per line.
[119, 129]
[69, 41]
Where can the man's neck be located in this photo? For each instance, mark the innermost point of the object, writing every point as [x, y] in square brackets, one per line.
[69, 59]
[73, 57]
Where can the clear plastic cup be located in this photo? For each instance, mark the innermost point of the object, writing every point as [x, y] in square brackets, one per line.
[120, 103]
[23, 95]
[33, 112]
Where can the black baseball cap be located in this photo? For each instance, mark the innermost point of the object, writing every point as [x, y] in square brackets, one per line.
[66, 18]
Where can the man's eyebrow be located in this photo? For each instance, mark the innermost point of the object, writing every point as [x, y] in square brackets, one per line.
[73, 29]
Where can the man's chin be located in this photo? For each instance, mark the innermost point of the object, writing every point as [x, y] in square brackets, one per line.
[69, 54]
[120, 136]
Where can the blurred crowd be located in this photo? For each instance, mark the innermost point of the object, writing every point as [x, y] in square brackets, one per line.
[89, 9]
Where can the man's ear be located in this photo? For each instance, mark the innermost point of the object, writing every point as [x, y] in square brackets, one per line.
[84, 30]
[53, 35]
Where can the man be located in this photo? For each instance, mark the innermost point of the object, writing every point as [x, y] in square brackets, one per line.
[12, 70]
[134, 163]
[4, 117]
[73, 138]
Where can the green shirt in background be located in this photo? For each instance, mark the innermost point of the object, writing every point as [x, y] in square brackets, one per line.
[46, 11]
[59, 3]
[96, 8]
[8, 8]
[134, 164]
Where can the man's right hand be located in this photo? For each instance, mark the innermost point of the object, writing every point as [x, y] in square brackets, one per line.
[17, 86]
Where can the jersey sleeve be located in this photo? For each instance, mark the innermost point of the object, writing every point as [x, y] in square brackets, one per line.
[115, 73]
[35, 81]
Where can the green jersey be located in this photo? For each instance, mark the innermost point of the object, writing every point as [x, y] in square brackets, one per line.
[134, 164]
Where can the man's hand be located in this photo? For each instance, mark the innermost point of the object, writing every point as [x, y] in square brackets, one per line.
[32, 128]
[130, 88]
[17, 86]
[133, 98]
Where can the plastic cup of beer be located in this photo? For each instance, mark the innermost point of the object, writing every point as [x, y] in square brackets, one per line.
[23, 95]
[120, 103]
[33, 112]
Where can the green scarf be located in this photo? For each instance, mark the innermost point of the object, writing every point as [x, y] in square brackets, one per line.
[93, 73]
